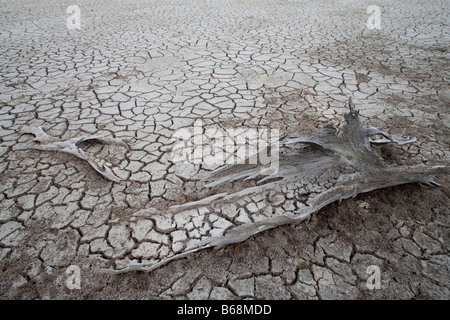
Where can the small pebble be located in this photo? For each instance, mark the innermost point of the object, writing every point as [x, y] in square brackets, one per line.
[399, 224]
[404, 231]
[49, 270]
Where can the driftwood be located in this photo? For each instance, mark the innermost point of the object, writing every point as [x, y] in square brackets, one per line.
[70, 146]
[332, 165]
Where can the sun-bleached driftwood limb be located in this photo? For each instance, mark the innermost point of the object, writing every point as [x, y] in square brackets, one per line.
[70, 146]
[336, 164]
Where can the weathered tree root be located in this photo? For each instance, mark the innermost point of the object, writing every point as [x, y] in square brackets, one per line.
[338, 164]
[48, 143]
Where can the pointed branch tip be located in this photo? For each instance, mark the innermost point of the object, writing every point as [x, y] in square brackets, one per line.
[352, 108]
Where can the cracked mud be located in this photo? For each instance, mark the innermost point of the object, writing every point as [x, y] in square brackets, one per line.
[139, 71]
